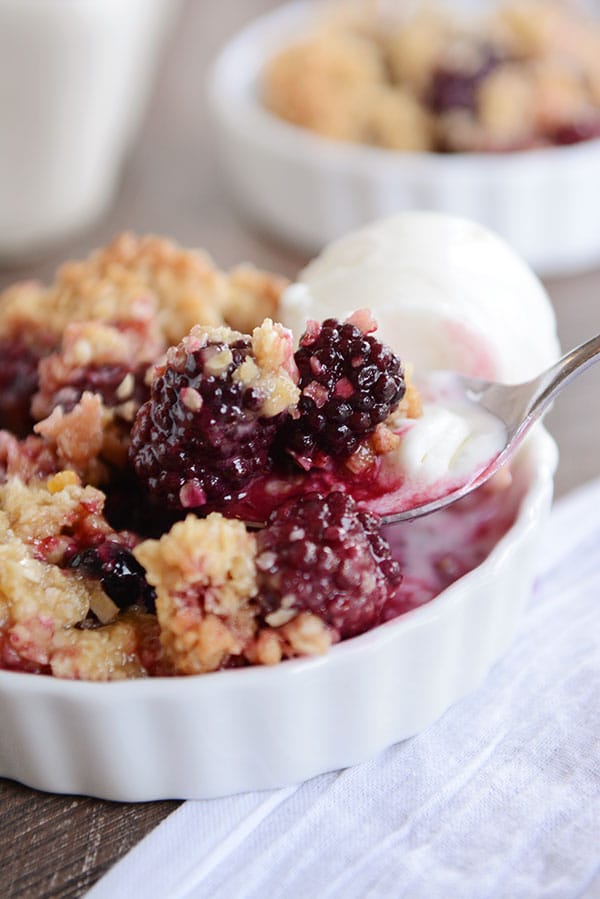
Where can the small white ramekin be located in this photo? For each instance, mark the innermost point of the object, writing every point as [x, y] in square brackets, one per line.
[258, 728]
[308, 190]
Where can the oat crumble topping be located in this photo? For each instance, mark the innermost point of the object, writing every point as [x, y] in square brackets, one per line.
[525, 75]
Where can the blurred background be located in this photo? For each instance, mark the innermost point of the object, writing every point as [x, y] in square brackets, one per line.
[167, 180]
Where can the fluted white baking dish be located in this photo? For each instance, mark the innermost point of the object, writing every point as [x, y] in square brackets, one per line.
[308, 190]
[256, 728]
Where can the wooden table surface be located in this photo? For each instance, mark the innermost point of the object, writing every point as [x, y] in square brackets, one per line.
[54, 846]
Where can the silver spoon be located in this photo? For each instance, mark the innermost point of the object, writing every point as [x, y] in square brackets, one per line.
[518, 406]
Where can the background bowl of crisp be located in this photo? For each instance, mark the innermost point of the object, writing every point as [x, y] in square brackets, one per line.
[307, 190]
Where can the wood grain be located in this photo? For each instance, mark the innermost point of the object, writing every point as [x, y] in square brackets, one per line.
[58, 846]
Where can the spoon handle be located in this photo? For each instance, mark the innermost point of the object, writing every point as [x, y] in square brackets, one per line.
[552, 381]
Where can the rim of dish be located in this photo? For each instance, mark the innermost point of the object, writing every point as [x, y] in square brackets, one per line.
[231, 97]
[540, 443]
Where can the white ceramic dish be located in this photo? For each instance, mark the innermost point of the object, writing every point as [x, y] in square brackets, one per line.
[308, 190]
[75, 77]
[258, 728]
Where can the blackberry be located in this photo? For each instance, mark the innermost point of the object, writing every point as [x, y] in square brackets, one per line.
[120, 574]
[114, 383]
[18, 383]
[322, 555]
[211, 419]
[129, 507]
[349, 383]
[455, 86]
[574, 133]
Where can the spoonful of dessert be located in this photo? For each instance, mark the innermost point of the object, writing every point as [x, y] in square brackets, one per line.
[240, 424]
[516, 407]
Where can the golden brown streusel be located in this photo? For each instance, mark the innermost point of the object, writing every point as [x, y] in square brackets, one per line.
[304, 635]
[507, 105]
[395, 119]
[39, 510]
[132, 280]
[412, 50]
[32, 589]
[147, 286]
[205, 578]
[411, 404]
[21, 316]
[322, 83]
[527, 74]
[116, 651]
[276, 376]
[77, 437]
[44, 609]
[252, 296]
[558, 94]
[36, 599]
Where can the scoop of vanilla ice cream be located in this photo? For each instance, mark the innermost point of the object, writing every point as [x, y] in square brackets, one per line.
[446, 293]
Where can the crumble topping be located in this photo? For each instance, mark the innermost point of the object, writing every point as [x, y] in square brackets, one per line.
[138, 283]
[89, 392]
[275, 374]
[28, 459]
[60, 506]
[53, 618]
[325, 83]
[205, 579]
[252, 296]
[101, 326]
[124, 649]
[304, 635]
[34, 591]
[77, 436]
[269, 370]
[131, 281]
[525, 75]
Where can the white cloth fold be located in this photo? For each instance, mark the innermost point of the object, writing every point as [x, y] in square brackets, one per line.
[499, 798]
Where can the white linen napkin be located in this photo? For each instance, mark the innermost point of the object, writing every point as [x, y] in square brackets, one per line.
[500, 798]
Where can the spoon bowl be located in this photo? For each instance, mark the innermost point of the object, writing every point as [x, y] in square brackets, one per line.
[518, 406]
